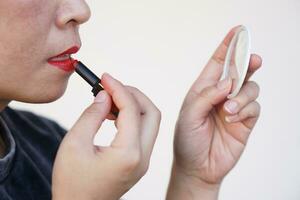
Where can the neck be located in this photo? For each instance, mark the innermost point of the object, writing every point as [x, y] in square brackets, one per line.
[3, 104]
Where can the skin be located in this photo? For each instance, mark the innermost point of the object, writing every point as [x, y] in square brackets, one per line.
[206, 147]
[31, 32]
[84, 171]
[209, 136]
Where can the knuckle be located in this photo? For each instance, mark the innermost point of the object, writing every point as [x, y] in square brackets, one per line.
[145, 168]
[134, 91]
[249, 92]
[253, 109]
[155, 112]
[254, 87]
[252, 113]
[248, 95]
[133, 105]
[93, 109]
[258, 106]
[218, 59]
[206, 92]
[135, 109]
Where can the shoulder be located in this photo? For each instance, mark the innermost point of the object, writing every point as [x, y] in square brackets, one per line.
[33, 120]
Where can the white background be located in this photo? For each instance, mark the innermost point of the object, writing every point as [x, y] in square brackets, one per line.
[161, 46]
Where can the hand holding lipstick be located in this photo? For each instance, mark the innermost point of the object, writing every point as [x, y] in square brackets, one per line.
[84, 171]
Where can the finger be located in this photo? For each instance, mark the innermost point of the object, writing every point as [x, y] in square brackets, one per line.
[248, 115]
[110, 116]
[128, 121]
[254, 65]
[212, 72]
[151, 118]
[248, 93]
[207, 99]
[91, 119]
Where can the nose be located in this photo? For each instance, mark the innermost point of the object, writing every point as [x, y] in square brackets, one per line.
[72, 11]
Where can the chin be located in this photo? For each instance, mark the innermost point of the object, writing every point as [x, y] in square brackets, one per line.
[43, 96]
[51, 95]
[49, 98]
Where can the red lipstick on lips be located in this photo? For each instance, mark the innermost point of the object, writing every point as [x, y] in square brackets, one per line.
[64, 60]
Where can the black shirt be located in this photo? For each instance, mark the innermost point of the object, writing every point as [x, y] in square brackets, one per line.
[31, 145]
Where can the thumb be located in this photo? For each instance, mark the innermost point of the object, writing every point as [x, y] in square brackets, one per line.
[91, 119]
[210, 97]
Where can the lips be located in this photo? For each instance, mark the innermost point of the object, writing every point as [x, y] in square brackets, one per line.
[64, 60]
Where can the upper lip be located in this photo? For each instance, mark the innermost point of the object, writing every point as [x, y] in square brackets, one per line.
[72, 50]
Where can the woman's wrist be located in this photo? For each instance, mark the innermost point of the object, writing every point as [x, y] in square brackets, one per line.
[105, 195]
[184, 186]
[106, 190]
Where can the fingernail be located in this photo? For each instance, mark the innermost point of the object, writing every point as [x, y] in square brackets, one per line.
[231, 106]
[101, 97]
[223, 84]
[230, 119]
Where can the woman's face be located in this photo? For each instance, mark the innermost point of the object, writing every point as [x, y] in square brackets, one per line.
[31, 32]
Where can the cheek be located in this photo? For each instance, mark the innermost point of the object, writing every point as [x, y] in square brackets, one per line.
[30, 8]
[24, 27]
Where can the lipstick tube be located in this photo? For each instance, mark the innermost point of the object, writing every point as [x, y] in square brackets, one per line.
[93, 81]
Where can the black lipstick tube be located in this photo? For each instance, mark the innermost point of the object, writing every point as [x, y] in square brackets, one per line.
[93, 81]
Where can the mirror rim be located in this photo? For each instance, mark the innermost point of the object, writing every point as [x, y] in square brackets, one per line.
[233, 43]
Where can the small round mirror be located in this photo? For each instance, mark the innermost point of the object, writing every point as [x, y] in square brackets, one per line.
[237, 60]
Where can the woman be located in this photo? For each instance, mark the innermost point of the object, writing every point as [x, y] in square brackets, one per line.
[33, 34]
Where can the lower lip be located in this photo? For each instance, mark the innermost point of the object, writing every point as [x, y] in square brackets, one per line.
[66, 65]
